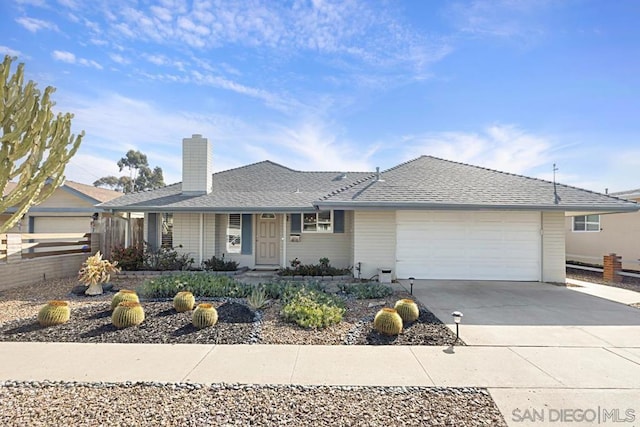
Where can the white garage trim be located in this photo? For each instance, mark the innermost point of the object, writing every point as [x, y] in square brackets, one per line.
[469, 245]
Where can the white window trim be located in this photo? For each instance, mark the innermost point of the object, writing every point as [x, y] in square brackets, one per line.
[317, 230]
[573, 224]
[238, 249]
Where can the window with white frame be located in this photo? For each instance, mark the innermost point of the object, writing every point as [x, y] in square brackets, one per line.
[234, 234]
[586, 223]
[318, 222]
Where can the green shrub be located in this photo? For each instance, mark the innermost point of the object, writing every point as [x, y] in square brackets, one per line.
[199, 284]
[324, 268]
[313, 309]
[367, 290]
[130, 258]
[167, 259]
[219, 264]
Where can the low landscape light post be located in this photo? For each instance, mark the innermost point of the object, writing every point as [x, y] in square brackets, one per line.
[457, 317]
[411, 279]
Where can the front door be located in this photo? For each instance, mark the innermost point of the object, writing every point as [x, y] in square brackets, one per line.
[268, 240]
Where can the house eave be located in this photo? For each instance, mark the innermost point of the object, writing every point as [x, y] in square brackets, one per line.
[470, 206]
[232, 209]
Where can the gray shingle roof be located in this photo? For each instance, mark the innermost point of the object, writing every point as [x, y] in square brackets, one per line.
[430, 182]
[256, 187]
[425, 182]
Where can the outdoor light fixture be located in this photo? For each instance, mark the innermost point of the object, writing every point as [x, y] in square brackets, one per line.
[457, 317]
[411, 279]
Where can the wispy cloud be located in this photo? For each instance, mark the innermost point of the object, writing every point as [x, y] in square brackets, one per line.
[505, 19]
[5, 50]
[70, 58]
[354, 29]
[501, 147]
[34, 25]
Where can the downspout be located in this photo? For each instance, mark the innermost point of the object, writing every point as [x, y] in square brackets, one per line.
[541, 246]
[201, 238]
[284, 240]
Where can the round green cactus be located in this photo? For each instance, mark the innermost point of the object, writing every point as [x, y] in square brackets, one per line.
[126, 314]
[124, 295]
[184, 301]
[54, 313]
[204, 315]
[408, 310]
[388, 322]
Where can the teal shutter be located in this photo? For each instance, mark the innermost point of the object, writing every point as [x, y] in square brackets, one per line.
[247, 234]
[338, 221]
[152, 231]
[296, 223]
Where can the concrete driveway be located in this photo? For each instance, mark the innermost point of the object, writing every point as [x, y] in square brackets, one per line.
[530, 314]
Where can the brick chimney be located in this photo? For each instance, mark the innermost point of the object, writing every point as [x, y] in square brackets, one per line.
[197, 166]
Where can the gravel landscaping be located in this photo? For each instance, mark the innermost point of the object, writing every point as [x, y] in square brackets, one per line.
[91, 322]
[153, 404]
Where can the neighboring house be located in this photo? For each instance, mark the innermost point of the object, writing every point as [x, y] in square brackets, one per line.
[69, 209]
[427, 218]
[590, 237]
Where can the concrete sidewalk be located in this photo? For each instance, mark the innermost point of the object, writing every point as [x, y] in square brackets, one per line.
[465, 366]
[623, 296]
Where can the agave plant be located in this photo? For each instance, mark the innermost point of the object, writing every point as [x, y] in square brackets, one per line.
[95, 271]
[258, 298]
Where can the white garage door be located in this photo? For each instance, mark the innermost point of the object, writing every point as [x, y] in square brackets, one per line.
[468, 245]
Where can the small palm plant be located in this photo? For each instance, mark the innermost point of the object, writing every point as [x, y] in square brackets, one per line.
[95, 271]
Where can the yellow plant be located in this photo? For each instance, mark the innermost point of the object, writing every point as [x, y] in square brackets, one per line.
[97, 270]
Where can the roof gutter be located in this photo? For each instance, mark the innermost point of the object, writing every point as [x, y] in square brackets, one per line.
[631, 207]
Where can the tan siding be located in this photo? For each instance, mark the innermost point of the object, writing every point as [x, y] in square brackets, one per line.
[553, 247]
[374, 241]
[335, 246]
[186, 232]
[63, 199]
[620, 234]
[209, 235]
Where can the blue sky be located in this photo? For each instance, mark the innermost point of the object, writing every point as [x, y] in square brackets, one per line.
[348, 85]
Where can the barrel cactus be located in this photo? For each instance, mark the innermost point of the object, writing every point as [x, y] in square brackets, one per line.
[124, 295]
[126, 314]
[54, 313]
[205, 315]
[184, 301]
[388, 322]
[408, 310]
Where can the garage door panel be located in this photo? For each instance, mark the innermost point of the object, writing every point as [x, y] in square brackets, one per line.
[468, 245]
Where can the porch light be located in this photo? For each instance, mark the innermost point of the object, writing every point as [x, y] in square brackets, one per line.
[457, 317]
[411, 279]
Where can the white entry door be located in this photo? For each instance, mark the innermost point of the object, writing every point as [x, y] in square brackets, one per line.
[268, 240]
[468, 245]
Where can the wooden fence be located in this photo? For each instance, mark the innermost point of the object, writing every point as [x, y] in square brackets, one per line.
[15, 246]
[27, 258]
